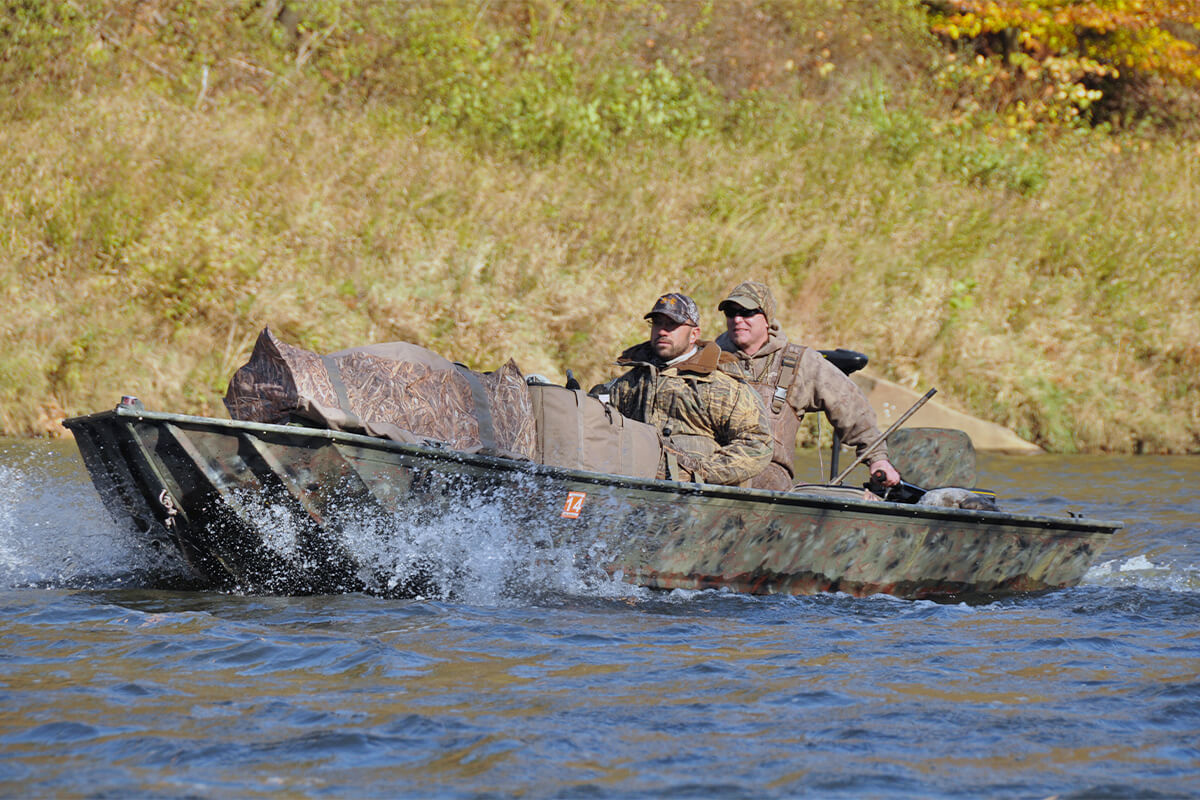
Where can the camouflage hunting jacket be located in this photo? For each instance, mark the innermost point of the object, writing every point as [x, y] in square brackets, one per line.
[714, 425]
[817, 386]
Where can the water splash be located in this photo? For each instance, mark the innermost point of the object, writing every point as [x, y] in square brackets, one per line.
[56, 532]
[474, 550]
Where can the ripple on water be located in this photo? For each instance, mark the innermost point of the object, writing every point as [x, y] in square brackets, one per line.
[570, 689]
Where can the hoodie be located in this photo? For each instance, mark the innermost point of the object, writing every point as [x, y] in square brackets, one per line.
[818, 386]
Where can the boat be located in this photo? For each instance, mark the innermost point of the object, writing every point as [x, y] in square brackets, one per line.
[292, 509]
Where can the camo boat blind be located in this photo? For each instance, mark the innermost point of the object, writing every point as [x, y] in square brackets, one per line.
[398, 390]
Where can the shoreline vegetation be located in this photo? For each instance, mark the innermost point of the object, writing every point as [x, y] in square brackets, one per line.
[522, 178]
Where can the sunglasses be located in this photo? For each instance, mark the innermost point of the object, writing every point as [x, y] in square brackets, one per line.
[730, 313]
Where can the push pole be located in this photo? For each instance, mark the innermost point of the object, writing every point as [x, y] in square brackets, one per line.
[891, 429]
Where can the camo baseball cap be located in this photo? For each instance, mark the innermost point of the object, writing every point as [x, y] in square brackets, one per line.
[751, 294]
[678, 307]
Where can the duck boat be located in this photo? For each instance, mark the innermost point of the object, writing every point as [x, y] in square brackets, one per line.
[287, 509]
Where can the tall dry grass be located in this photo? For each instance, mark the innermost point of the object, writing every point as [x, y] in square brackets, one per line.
[1047, 283]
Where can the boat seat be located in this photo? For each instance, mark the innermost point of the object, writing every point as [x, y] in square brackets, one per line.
[833, 492]
[933, 457]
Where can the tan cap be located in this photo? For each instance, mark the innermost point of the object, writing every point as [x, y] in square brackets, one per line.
[751, 294]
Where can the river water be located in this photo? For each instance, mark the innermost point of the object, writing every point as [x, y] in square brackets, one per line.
[109, 688]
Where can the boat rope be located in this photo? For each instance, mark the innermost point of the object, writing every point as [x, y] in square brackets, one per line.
[168, 503]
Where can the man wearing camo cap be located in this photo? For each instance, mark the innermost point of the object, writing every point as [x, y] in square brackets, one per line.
[714, 427]
[765, 359]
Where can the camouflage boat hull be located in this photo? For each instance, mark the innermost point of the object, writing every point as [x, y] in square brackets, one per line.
[271, 509]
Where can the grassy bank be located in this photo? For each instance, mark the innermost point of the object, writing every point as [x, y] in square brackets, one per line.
[173, 183]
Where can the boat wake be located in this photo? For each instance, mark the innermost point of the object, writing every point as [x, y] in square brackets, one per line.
[1139, 571]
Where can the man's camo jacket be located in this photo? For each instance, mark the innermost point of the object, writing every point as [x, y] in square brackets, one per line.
[717, 424]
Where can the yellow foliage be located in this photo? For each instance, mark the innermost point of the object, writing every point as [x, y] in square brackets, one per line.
[1079, 51]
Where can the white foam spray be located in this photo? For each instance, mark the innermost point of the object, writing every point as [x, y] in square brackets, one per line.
[471, 550]
[1140, 570]
[54, 530]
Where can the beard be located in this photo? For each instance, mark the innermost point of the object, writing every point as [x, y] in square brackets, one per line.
[667, 349]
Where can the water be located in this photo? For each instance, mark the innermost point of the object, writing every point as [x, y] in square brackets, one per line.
[595, 690]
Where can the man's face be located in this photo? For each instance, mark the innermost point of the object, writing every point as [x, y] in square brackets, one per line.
[748, 329]
[671, 339]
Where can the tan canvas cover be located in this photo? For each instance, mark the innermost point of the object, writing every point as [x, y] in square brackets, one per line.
[578, 431]
[398, 390]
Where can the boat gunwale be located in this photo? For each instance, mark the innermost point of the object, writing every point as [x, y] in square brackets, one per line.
[758, 496]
